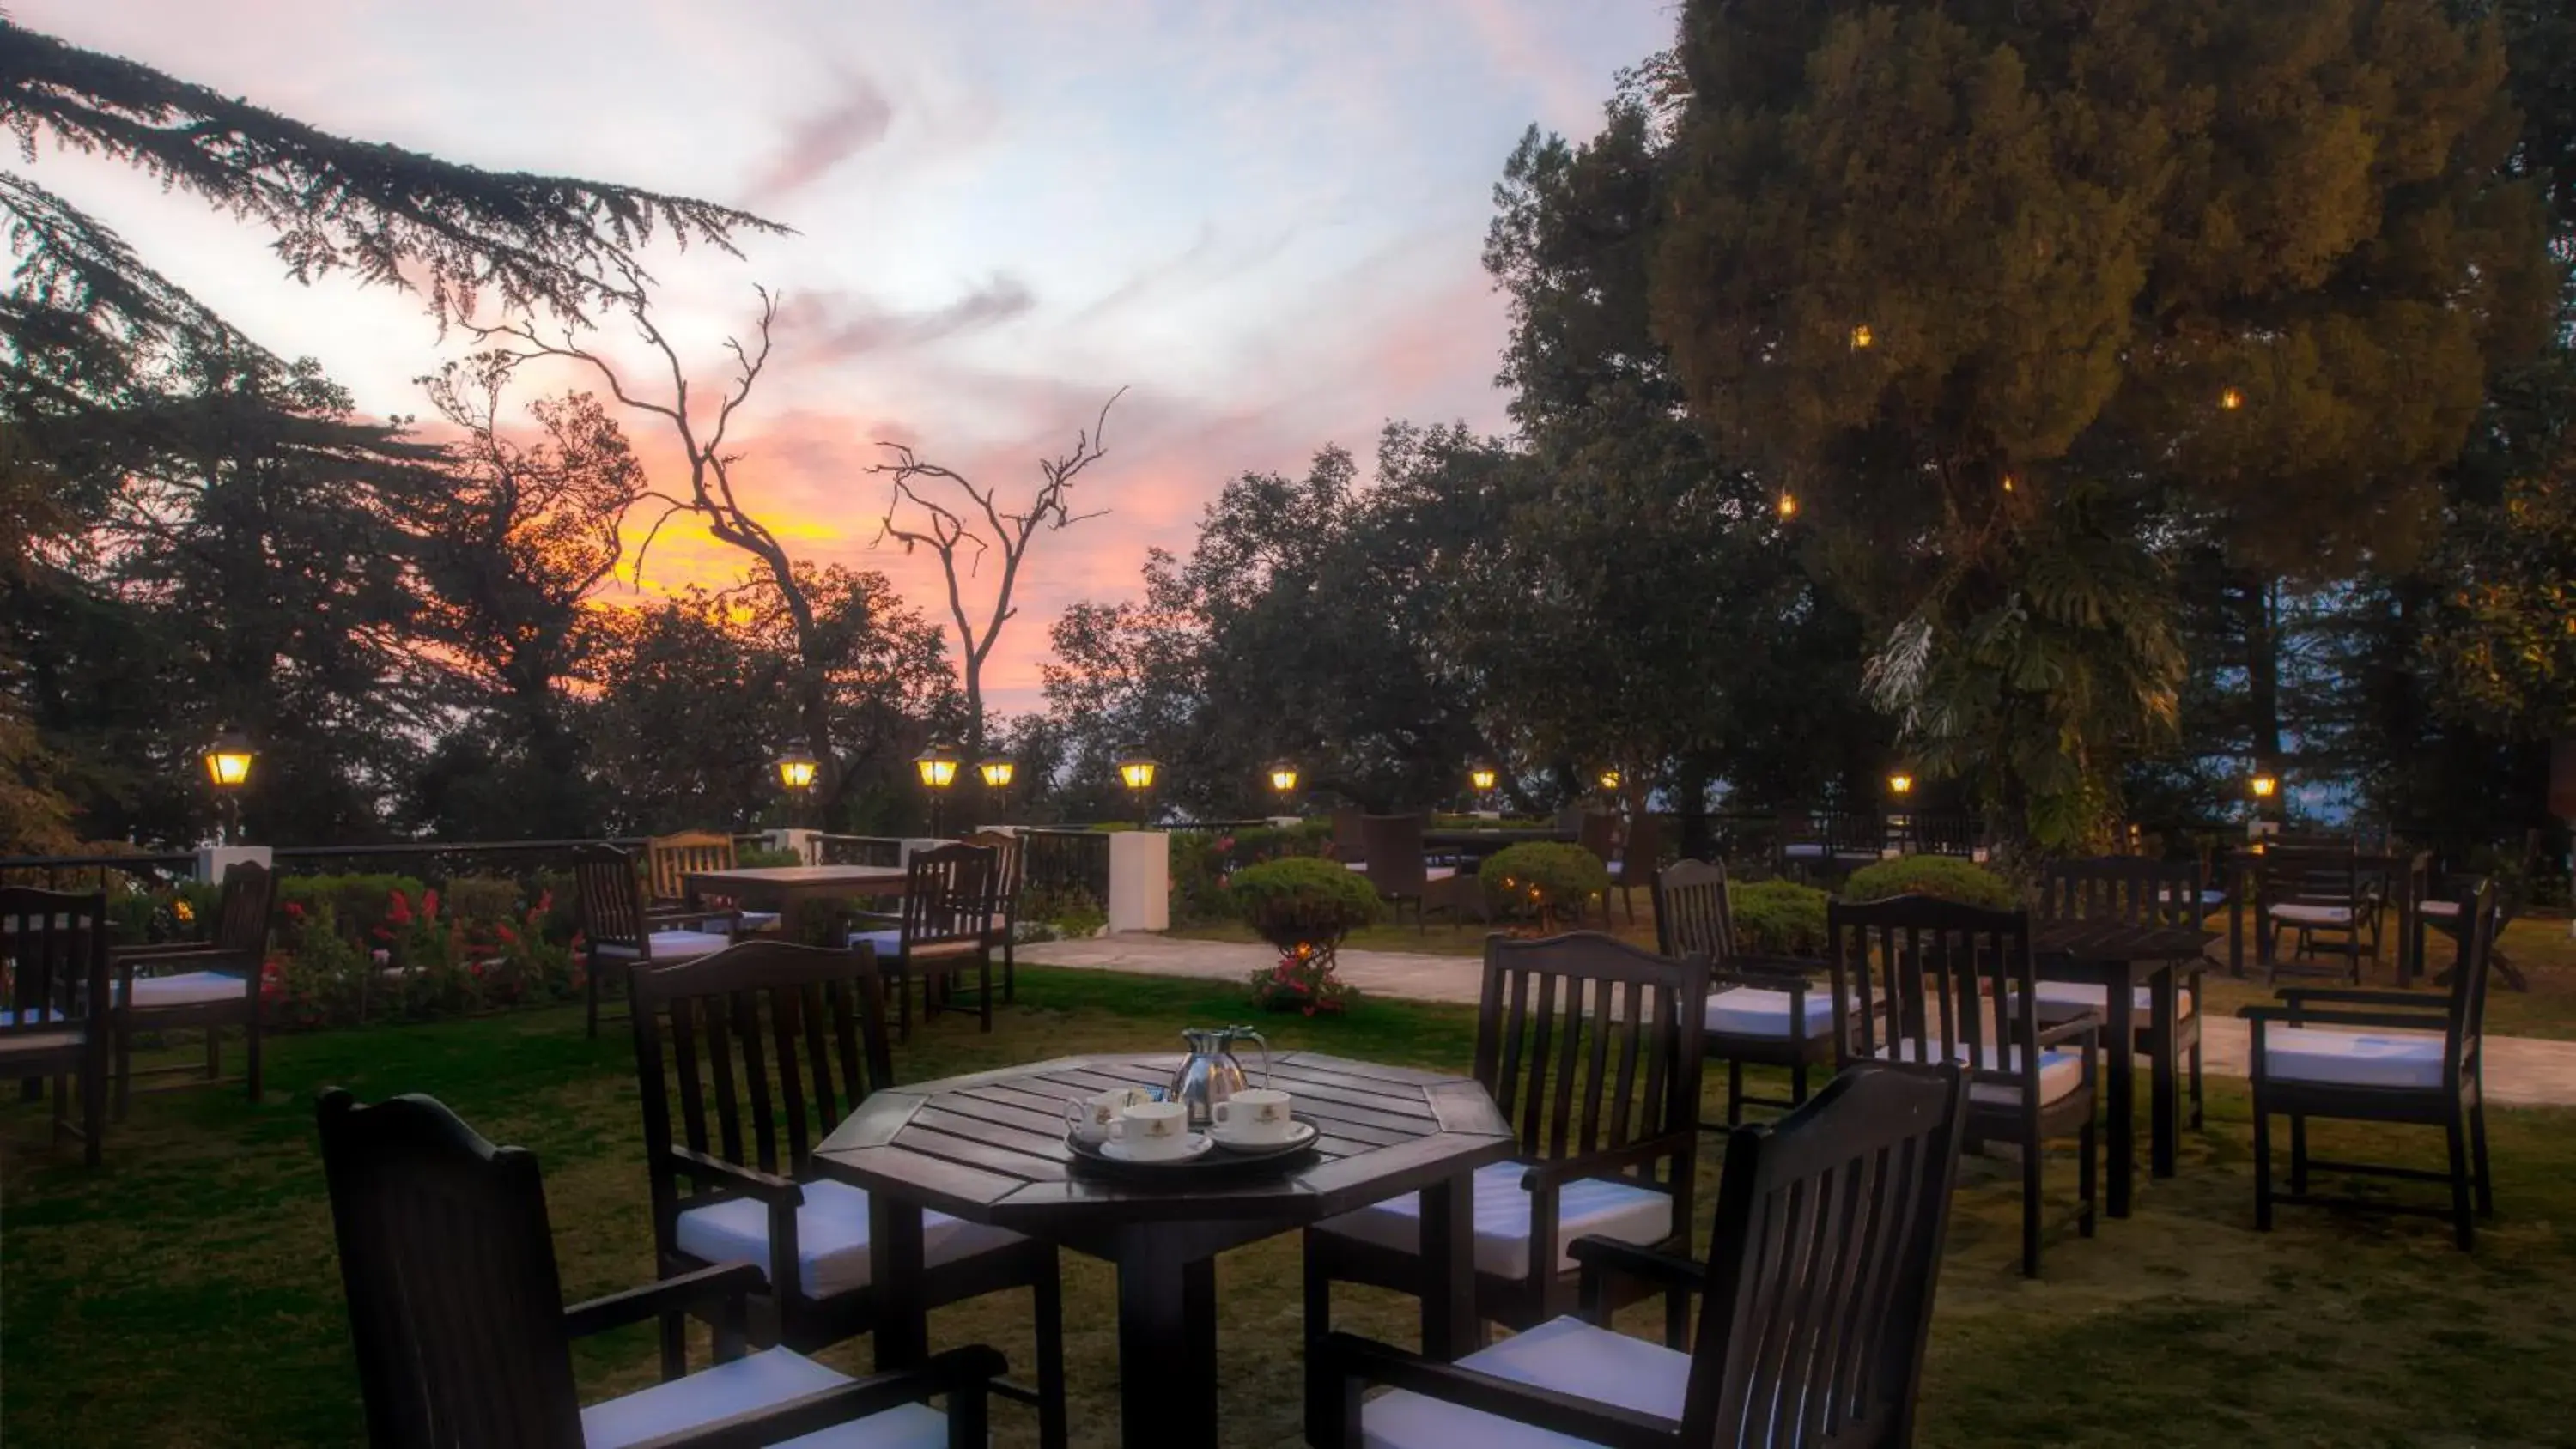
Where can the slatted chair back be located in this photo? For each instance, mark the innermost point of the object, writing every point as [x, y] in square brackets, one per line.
[1391, 845]
[610, 895]
[54, 945]
[1588, 1044]
[668, 860]
[2130, 890]
[241, 917]
[2316, 877]
[455, 1307]
[755, 1054]
[1599, 833]
[1005, 846]
[948, 896]
[1822, 1265]
[1915, 980]
[1638, 854]
[1693, 916]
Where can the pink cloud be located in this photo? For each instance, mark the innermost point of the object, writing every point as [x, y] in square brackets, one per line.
[856, 119]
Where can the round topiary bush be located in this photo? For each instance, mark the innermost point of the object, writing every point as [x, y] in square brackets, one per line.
[1537, 879]
[1303, 901]
[1778, 918]
[1304, 906]
[1938, 876]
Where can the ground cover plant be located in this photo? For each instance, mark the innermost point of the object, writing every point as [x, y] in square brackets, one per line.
[187, 1292]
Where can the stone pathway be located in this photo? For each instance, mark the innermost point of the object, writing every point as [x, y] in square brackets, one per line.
[2521, 1071]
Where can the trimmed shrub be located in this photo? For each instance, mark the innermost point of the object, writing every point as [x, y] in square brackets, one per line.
[1052, 913]
[483, 898]
[1303, 901]
[359, 904]
[1938, 876]
[1536, 879]
[1778, 917]
[1204, 861]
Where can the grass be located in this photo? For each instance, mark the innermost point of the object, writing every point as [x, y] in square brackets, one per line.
[187, 1293]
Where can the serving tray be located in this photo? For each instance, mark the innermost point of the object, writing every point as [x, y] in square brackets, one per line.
[1220, 1163]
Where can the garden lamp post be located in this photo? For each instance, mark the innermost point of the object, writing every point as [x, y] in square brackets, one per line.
[937, 767]
[996, 771]
[2264, 785]
[1283, 783]
[1136, 771]
[228, 761]
[1900, 790]
[797, 772]
[1481, 779]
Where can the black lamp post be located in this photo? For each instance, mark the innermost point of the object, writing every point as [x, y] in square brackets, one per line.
[228, 763]
[937, 767]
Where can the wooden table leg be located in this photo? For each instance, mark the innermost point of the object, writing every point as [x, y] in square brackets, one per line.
[2164, 1129]
[2124, 1090]
[1166, 1351]
[895, 1253]
[1450, 1330]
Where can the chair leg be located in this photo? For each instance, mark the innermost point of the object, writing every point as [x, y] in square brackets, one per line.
[903, 1003]
[2262, 1166]
[2196, 1093]
[984, 993]
[2030, 1175]
[2087, 1175]
[124, 1067]
[1323, 1392]
[1010, 975]
[2464, 1228]
[2478, 1158]
[675, 1346]
[1049, 1312]
[93, 1109]
[2298, 1153]
[1798, 1085]
[590, 994]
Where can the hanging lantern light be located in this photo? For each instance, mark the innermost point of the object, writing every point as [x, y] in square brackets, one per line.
[228, 759]
[997, 771]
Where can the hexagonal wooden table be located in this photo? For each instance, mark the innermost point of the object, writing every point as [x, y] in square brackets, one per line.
[990, 1148]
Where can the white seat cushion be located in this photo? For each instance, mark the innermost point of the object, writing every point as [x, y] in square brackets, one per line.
[1752, 1011]
[41, 1041]
[1590, 1205]
[1804, 852]
[2060, 1072]
[831, 1237]
[669, 946]
[2449, 910]
[2303, 915]
[187, 988]
[755, 1381]
[1564, 1354]
[758, 920]
[887, 942]
[2351, 1058]
[1439, 872]
[2083, 996]
[1355, 865]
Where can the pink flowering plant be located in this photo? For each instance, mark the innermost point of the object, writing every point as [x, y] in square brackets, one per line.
[1304, 907]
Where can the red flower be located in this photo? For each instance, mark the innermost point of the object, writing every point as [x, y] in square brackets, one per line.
[382, 933]
[502, 932]
[398, 908]
[294, 910]
[429, 905]
[545, 902]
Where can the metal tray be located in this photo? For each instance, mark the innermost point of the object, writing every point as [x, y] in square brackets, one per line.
[1219, 1163]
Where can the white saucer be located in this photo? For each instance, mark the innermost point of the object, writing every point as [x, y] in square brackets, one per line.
[1298, 1135]
[1199, 1143]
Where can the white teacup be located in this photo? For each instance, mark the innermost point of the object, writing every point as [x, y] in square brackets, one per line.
[1253, 1115]
[1152, 1130]
[1089, 1117]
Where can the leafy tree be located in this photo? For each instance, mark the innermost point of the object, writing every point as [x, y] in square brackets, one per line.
[1995, 291]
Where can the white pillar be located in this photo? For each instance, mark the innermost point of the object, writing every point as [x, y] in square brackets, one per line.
[1140, 880]
[214, 860]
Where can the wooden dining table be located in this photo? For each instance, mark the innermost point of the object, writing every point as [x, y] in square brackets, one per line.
[776, 887]
[990, 1148]
[2120, 958]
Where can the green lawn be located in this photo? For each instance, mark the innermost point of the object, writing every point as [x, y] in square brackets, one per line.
[187, 1294]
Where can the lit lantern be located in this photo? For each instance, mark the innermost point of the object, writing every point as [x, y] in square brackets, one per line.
[1482, 778]
[1283, 778]
[997, 771]
[2231, 399]
[1136, 769]
[1900, 784]
[1609, 778]
[1861, 338]
[1788, 505]
[796, 770]
[2008, 482]
[937, 766]
[2265, 784]
[228, 760]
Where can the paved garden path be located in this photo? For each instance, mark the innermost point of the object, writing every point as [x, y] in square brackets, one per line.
[2521, 1071]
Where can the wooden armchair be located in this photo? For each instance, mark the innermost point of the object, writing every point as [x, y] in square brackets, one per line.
[1587, 1046]
[2326, 901]
[2381, 1056]
[746, 1060]
[1788, 1352]
[1639, 855]
[623, 934]
[2135, 891]
[209, 985]
[1007, 848]
[1398, 871]
[668, 862]
[1926, 981]
[1762, 1010]
[54, 946]
[946, 921]
[456, 1311]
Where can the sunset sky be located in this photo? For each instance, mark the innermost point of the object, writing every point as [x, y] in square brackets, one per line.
[1262, 219]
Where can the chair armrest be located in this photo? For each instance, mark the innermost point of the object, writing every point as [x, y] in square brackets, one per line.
[2088, 1025]
[1599, 1259]
[1607, 1162]
[964, 1374]
[725, 1286]
[2405, 1000]
[1356, 1363]
[2296, 1016]
[766, 1186]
